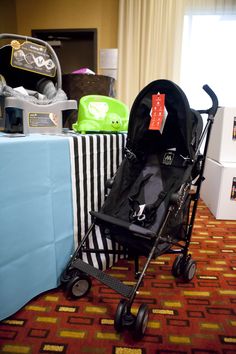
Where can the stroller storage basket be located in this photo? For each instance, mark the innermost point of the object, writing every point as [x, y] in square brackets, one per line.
[31, 95]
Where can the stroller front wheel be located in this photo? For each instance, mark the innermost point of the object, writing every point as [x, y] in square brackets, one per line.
[123, 316]
[141, 322]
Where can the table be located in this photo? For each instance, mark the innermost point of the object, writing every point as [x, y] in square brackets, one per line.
[47, 186]
[94, 159]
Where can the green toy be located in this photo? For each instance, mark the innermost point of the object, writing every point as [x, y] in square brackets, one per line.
[101, 114]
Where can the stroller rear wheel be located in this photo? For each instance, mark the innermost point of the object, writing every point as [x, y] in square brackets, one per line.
[184, 268]
[177, 266]
[189, 270]
[141, 322]
[123, 316]
[78, 286]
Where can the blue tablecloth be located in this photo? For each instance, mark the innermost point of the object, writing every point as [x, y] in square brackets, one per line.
[36, 218]
[47, 185]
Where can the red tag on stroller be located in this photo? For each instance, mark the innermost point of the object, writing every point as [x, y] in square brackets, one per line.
[157, 112]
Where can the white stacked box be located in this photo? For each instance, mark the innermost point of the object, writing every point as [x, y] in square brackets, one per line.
[219, 189]
[222, 145]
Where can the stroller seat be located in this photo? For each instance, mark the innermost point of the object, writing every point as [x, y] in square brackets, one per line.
[136, 212]
[149, 209]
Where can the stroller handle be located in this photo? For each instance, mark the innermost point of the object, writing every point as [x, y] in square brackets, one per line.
[41, 42]
[212, 110]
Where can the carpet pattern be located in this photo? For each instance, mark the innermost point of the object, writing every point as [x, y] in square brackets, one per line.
[194, 318]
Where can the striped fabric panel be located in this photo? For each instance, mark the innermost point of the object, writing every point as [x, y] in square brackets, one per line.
[94, 159]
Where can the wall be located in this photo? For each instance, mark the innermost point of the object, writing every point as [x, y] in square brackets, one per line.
[8, 23]
[59, 14]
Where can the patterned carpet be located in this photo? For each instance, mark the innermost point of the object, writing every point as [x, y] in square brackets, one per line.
[194, 318]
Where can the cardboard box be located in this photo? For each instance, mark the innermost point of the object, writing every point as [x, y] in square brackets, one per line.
[222, 144]
[218, 190]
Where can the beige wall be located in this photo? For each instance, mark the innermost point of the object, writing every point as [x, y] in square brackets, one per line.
[59, 14]
[8, 23]
[21, 16]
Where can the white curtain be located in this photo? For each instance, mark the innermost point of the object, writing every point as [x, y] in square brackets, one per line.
[150, 40]
[210, 6]
[209, 51]
[149, 44]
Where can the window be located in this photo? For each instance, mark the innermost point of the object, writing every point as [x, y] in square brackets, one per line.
[209, 57]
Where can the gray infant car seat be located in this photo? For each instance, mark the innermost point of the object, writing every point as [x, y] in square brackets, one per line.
[31, 95]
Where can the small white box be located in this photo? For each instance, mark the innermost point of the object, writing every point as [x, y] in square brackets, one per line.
[222, 144]
[109, 58]
[218, 190]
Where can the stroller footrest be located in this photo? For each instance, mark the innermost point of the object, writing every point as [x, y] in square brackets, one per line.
[113, 283]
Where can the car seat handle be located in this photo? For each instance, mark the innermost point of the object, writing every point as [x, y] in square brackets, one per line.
[41, 42]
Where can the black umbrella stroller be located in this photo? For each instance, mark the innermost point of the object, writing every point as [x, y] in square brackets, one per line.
[150, 209]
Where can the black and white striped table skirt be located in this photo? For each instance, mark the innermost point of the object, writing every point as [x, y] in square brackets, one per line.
[94, 159]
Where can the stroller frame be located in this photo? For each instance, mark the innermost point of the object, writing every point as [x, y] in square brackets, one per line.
[76, 276]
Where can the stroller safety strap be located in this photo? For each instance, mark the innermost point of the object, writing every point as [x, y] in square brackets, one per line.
[130, 154]
[139, 213]
[144, 214]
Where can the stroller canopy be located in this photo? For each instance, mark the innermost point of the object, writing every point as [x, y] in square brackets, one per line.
[182, 127]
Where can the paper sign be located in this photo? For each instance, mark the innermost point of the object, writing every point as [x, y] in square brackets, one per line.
[234, 129]
[33, 57]
[41, 120]
[233, 190]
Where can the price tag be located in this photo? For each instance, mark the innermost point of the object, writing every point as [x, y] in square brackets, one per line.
[157, 112]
